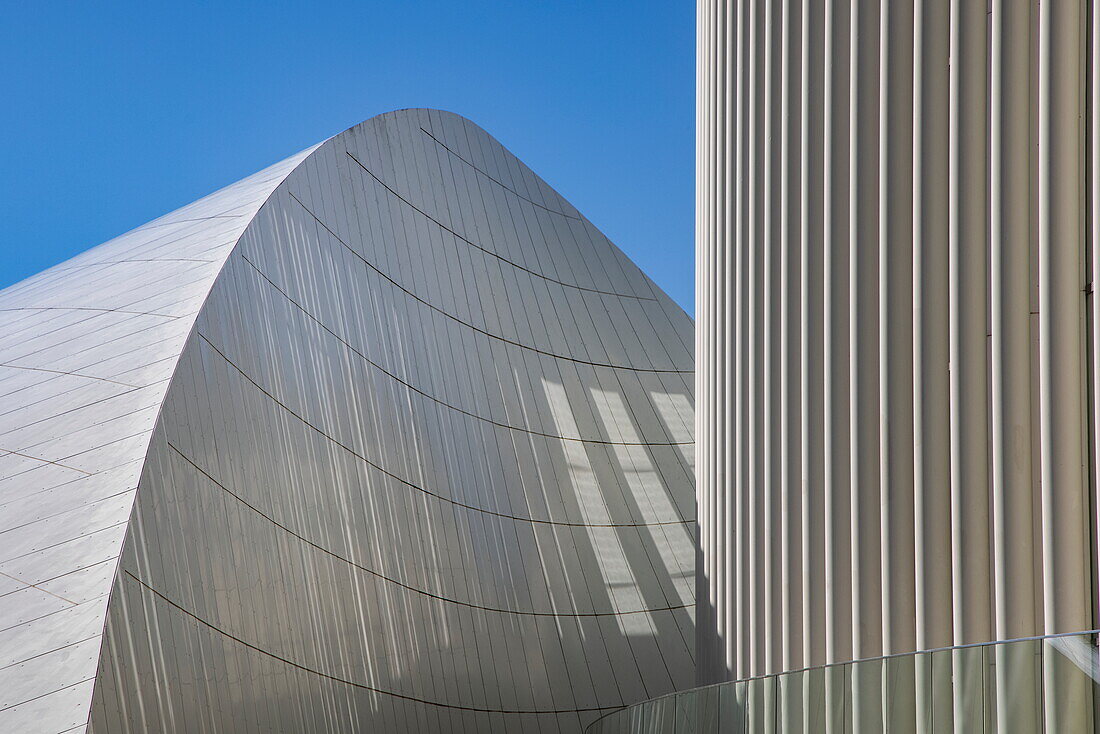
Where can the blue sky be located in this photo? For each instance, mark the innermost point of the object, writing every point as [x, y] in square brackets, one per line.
[116, 113]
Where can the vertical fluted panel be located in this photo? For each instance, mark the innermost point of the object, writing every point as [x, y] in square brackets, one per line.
[1061, 207]
[897, 242]
[1093, 258]
[790, 357]
[896, 324]
[812, 334]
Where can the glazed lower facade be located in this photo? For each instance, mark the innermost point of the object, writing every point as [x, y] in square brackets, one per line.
[971, 684]
[425, 463]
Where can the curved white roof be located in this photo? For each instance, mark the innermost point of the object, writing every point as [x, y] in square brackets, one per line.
[411, 447]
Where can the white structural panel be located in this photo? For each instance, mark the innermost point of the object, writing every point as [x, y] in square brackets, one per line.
[897, 343]
[386, 438]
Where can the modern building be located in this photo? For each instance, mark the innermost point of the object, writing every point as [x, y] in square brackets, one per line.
[898, 356]
[387, 437]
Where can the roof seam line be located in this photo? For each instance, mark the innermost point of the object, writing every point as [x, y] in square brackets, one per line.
[354, 684]
[495, 180]
[377, 574]
[406, 482]
[45, 461]
[470, 326]
[433, 398]
[486, 250]
[62, 372]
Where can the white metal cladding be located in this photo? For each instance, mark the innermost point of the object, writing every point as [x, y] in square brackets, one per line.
[425, 463]
[87, 349]
[897, 342]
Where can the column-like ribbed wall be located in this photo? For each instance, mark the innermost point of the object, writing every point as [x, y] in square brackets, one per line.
[897, 233]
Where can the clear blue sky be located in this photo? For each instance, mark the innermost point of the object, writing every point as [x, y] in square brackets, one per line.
[116, 113]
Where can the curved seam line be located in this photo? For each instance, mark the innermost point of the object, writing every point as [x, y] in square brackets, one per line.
[154, 224]
[372, 572]
[455, 408]
[407, 483]
[124, 261]
[117, 440]
[469, 325]
[74, 374]
[68, 573]
[350, 682]
[495, 180]
[89, 308]
[487, 251]
[44, 461]
[35, 586]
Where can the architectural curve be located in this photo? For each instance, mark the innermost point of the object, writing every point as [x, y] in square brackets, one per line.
[424, 461]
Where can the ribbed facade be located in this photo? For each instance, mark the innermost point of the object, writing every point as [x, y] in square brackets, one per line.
[897, 340]
[386, 438]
